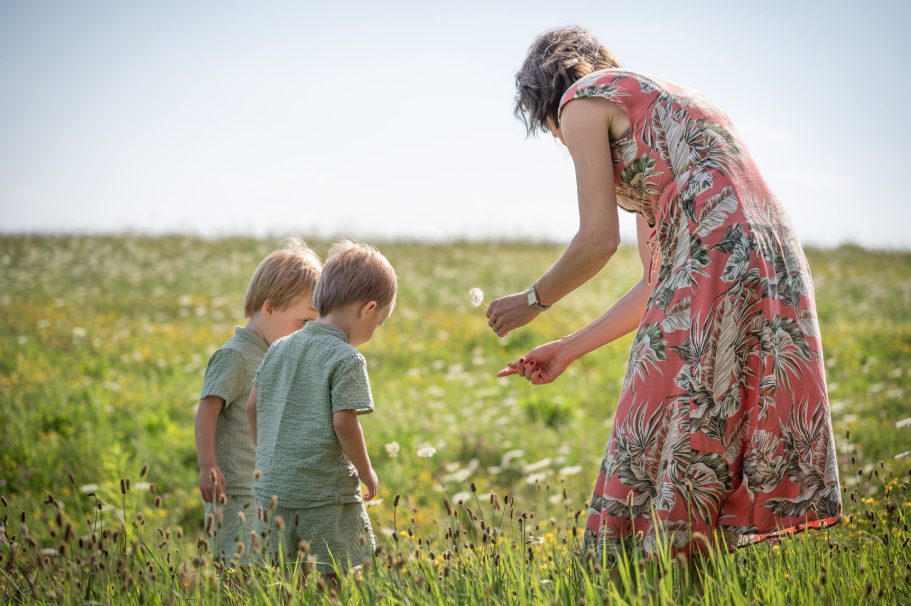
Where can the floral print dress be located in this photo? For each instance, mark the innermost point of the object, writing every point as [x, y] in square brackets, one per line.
[723, 422]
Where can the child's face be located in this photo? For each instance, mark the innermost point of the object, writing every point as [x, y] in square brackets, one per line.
[278, 323]
[369, 317]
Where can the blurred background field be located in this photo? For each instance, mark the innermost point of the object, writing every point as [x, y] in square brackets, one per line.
[104, 340]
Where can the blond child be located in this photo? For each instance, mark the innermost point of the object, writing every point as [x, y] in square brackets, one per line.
[303, 413]
[278, 302]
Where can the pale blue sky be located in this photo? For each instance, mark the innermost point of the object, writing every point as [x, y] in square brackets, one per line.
[394, 118]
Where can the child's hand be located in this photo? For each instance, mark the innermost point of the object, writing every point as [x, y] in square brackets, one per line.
[211, 484]
[372, 484]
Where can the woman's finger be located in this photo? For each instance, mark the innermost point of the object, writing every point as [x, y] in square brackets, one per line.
[527, 370]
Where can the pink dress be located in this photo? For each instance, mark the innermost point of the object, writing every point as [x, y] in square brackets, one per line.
[723, 422]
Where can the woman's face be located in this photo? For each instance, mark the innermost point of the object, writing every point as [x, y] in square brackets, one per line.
[553, 129]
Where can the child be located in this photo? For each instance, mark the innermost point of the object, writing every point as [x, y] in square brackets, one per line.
[303, 413]
[278, 302]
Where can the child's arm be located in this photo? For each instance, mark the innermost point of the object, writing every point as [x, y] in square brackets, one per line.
[348, 430]
[251, 413]
[211, 482]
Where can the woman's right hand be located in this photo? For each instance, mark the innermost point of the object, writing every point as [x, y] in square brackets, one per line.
[541, 365]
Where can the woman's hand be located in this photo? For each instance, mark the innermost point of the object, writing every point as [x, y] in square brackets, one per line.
[510, 312]
[541, 365]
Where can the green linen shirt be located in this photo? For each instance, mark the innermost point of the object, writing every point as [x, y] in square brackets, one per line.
[304, 379]
[229, 376]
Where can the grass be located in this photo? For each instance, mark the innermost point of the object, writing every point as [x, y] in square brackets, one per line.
[103, 341]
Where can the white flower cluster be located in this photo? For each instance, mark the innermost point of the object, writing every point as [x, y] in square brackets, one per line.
[476, 295]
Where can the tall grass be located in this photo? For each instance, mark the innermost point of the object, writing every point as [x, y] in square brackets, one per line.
[103, 341]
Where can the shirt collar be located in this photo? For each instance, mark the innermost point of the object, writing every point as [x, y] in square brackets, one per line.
[251, 337]
[325, 329]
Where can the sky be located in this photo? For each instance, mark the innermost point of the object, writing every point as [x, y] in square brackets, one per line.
[394, 119]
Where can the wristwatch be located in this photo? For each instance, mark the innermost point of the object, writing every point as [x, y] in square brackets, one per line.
[533, 301]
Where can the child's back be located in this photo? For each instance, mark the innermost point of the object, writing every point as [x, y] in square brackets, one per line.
[229, 375]
[304, 409]
[304, 379]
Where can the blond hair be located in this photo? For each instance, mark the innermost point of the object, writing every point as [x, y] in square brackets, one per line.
[282, 277]
[354, 273]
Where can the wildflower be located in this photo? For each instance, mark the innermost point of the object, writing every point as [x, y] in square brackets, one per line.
[461, 497]
[426, 452]
[534, 478]
[476, 296]
[392, 449]
[571, 470]
[537, 465]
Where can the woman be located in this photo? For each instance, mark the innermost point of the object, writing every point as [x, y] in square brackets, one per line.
[723, 422]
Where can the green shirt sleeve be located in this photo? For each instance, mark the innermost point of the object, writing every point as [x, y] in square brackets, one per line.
[350, 387]
[224, 376]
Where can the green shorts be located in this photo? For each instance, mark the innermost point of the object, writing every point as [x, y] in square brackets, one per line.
[226, 534]
[339, 533]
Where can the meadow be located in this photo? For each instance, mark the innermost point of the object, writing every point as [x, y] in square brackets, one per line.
[483, 481]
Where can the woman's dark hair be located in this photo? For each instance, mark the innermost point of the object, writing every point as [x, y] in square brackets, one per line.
[555, 60]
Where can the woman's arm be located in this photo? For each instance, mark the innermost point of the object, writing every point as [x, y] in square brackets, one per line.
[624, 315]
[545, 363]
[585, 126]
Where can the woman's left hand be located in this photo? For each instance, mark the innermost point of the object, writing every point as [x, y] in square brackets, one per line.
[510, 312]
[541, 365]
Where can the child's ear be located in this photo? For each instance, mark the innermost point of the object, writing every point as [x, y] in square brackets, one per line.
[367, 308]
[267, 308]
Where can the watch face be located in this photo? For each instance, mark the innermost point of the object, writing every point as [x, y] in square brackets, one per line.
[532, 299]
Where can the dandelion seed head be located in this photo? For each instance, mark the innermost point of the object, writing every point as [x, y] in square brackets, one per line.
[392, 449]
[476, 296]
[426, 452]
